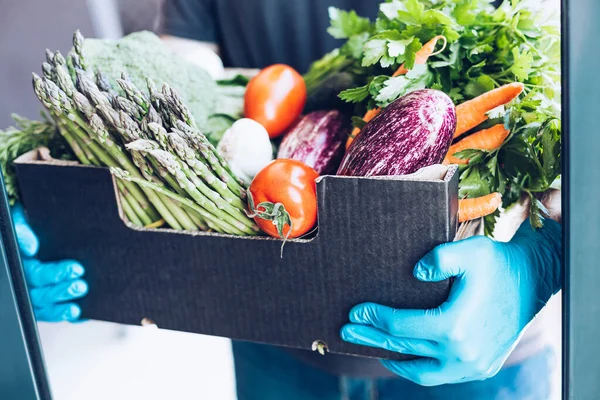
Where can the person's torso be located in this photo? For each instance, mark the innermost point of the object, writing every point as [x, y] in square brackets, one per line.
[258, 33]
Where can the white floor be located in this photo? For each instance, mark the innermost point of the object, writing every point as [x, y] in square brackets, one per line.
[98, 361]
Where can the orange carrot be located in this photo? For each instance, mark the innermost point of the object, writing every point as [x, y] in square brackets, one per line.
[423, 54]
[473, 112]
[486, 139]
[369, 115]
[478, 207]
[421, 58]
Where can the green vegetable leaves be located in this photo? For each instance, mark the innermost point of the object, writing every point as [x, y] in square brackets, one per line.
[522, 64]
[26, 136]
[355, 95]
[550, 145]
[345, 24]
[479, 86]
[397, 86]
[486, 48]
[374, 50]
[390, 48]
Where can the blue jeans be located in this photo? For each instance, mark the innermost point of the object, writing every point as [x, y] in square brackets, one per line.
[268, 373]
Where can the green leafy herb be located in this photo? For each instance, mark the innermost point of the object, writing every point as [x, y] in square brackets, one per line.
[398, 86]
[355, 95]
[26, 136]
[345, 24]
[486, 48]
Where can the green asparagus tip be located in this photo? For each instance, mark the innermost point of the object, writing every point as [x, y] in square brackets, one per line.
[77, 39]
[76, 61]
[47, 69]
[143, 145]
[151, 86]
[59, 59]
[49, 56]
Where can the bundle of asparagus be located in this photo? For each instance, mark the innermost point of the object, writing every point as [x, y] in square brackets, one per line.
[167, 171]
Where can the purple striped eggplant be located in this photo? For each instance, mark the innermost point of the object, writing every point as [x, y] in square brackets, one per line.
[413, 132]
[317, 140]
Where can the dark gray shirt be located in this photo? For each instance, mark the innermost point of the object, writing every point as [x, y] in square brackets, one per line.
[258, 33]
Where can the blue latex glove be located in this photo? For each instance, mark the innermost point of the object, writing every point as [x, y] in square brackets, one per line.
[498, 289]
[51, 285]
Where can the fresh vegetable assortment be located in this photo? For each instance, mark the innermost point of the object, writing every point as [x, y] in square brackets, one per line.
[168, 171]
[487, 58]
[437, 82]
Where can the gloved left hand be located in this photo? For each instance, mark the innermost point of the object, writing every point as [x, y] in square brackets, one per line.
[52, 285]
[497, 291]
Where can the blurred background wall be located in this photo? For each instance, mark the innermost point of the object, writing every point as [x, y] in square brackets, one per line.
[28, 27]
[97, 360]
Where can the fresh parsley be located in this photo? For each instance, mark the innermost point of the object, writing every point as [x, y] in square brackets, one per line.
[485, 49]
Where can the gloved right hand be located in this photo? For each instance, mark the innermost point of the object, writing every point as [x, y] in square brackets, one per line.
[53, 285]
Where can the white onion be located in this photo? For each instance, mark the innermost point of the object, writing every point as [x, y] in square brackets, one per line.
[247, 148]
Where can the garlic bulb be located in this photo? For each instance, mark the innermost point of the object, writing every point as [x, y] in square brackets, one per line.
[247, 148]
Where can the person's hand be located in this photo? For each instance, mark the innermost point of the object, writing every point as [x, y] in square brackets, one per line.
[53, 285]
[498, 289]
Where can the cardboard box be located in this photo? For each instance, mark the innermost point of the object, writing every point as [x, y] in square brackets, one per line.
[371, 233]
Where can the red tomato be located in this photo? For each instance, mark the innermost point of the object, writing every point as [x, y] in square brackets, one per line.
[275, 98]
[287, 183]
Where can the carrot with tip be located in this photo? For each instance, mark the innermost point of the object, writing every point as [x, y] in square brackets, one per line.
[478, 207]
[421, 58]
[486, 139]
[424, 53]
[473, 112]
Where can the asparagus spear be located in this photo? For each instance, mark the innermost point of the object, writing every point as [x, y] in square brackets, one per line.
[39, 92]
[182, 149]
[128, 107]
[220, 202]
[102, 136]
[59, 100]
[128, 203]
[83, 105]
[88, 87]
[219, 225]
[133, 93]
[104, 85]
[63, 78]
[199, 142]
[78, 47]
[49, 56]
[129, 131]
[48, 70]
[171, 164]
[75, 62]
[177, 106]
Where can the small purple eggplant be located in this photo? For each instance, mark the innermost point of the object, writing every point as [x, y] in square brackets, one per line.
[317, 140]
[413, 132]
